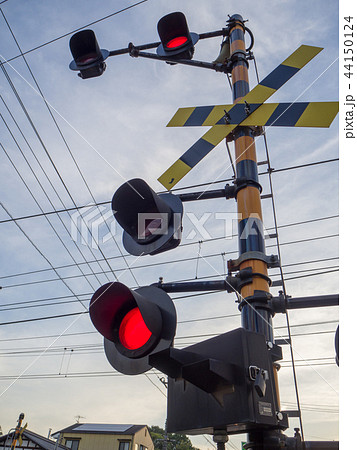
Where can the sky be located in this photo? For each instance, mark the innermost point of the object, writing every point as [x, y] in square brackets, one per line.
[88, 137]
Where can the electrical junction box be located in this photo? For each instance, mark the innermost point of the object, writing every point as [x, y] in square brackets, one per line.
[237, 389]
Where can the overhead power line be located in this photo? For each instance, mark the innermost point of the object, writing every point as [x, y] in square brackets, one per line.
[174, 298]
[48, 376]
[66, 145]
[153, 264]
[80, 349]
[283, 169]
[74, 31]
[29, 304]
[82, 333]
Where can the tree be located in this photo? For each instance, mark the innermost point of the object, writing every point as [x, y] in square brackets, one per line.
[174, 441]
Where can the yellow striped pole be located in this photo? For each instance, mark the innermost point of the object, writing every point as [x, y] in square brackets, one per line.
[17, 431]
[250, 220]
[255, 315]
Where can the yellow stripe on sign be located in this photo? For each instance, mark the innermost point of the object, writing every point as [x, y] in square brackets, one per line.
[216, 114]
[218, 132]
[318, 114]
[181, 116]
[302, 56]
[174, 174]
[260, 116]
[258, 94]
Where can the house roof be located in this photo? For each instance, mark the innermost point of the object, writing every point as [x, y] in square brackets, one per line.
[44, 443]
[102, 428]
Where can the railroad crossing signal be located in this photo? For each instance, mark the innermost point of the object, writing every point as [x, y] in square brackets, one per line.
[208, 380]
[176, 40]
[134, 323]
[249, 111]
[88, 58]
[152, 222]
[233, 368]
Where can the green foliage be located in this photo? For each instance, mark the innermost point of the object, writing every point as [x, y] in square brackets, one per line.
[175, 441]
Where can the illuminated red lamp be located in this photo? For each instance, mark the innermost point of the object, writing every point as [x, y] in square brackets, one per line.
[135, 324]
[133, 332]
[176, 40]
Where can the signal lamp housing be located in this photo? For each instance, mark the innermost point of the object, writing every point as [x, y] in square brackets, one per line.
[152, 222]
[176, 40]
[134, 323]
[88, 58]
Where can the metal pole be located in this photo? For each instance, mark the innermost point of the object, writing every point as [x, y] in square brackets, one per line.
[191, 286]
[218, 67]
[250, 219]
[123, 51]
[281, 304]
[17, 430]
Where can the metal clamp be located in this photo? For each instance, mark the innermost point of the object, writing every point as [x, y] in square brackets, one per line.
[272, 261]
[235, 283]
[238, 56]
[260, 299]
[243, 182]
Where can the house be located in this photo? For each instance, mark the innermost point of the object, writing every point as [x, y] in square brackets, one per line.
[30, 441]
[100, 436]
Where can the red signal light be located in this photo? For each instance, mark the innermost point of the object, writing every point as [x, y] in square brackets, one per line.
[177, 42]
[134, 323]
[133, 332]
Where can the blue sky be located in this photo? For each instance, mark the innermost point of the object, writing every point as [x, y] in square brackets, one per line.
[115, 128]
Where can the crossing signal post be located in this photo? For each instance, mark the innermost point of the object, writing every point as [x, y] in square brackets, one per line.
[227, 384]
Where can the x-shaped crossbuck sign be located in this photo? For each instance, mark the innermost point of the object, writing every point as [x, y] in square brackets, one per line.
[250, 110]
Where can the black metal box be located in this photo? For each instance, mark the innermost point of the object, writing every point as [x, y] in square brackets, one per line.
[238, 408]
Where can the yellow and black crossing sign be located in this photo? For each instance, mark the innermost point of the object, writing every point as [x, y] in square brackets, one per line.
[249, 111]
[298, 114]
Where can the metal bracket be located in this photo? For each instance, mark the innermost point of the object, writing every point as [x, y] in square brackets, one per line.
[235, 283]
[259, 376]
[236, 57]
[254, 370]
[233, 135]
[257, 130]
[260, 299]
[230, 191]
[247, 108]
[272, 261]
[243, 182]
[133, 51]
[227, 118]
